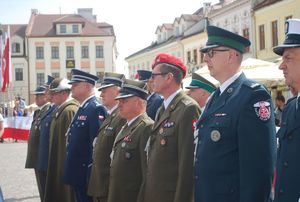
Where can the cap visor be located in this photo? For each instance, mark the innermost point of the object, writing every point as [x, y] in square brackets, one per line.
[280, 49]
[192, 87]
[124, 96]
[206, 48]
[105, 86]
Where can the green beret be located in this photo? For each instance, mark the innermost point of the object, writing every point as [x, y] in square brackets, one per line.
[221, 37]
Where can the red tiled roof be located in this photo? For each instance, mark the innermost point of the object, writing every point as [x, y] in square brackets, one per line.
[16, 29]
[41, 25]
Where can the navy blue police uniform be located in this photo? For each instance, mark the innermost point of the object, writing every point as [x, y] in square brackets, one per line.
[287, 187]
[235, 155]
[154, 100]
[80, 136]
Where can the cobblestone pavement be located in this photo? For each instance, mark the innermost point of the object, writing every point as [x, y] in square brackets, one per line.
[17, 183]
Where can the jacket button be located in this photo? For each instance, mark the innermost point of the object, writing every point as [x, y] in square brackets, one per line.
[201, 126]
[196, 177]
[285, 164]
[281, 191]
[290, 137]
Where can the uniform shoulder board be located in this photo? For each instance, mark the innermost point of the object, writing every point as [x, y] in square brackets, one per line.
[97, 104]
[252, 84]
[186, 101]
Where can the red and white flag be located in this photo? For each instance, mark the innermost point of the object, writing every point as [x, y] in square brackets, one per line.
[6, 62]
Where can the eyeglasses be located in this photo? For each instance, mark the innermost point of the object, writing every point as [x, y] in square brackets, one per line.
[156, 74]
[211, 52]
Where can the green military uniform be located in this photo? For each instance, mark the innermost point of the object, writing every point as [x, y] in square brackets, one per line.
[55, 189]
[33, 146]
[128, 166]
[99, 179]
[170, 165]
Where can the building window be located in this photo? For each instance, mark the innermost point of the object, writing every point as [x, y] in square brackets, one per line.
[70, 52]
[99, 51]
[274, 33]
[246, 35]
[55, 74]
[69, 75]
[75, 28]
[54, 52]
[100, 75]
[19, 74]
[201, 57]
[261, 37]
[84, 52]
[39, 52]
[63, 29]
[195, 57]
[40, 79]
[188, 56]
[15, 48]
[177, 31]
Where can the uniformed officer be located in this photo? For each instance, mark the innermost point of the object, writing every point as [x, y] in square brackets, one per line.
[43, 151]
[170, 150]
[82, 132]
[128, 164]
[34, 136]
[200, 89]
[99, 180]
[288, 164]
[154, 100]
[55, 189]
[236, 133]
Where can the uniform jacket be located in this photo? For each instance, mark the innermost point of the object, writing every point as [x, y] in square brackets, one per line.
[128, 166]
[43, 152]
[34, 137]
[99, 180]
[288, 162]
[170, 160]
[81, 134]
[153, 105]
[236, 145]
[55, 189]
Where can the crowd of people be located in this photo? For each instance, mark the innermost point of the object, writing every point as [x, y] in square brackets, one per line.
[150, 141]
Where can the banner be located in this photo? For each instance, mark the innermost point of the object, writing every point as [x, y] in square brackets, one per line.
[6, 62]
[17, 127]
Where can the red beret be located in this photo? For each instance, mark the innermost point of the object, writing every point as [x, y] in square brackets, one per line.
[164, 58]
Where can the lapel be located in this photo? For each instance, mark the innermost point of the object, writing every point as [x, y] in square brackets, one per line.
[109, 119]
[222, 99]
[293, 119]
[63, 106]
[47, 109]
[166, 114]
[129, 129]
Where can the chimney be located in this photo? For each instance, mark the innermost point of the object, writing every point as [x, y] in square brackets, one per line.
[206, 8]
[87, 13]
[34, 11]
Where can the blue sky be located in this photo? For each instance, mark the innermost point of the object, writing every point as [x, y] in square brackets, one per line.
[134, 21]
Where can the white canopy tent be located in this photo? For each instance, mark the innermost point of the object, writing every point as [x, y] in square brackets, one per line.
[261, 71]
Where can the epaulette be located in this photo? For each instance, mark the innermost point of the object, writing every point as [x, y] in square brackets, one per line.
[252, 84]
[186, 101]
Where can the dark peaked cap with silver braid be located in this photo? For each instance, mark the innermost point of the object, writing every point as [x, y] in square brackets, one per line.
[81, 76]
